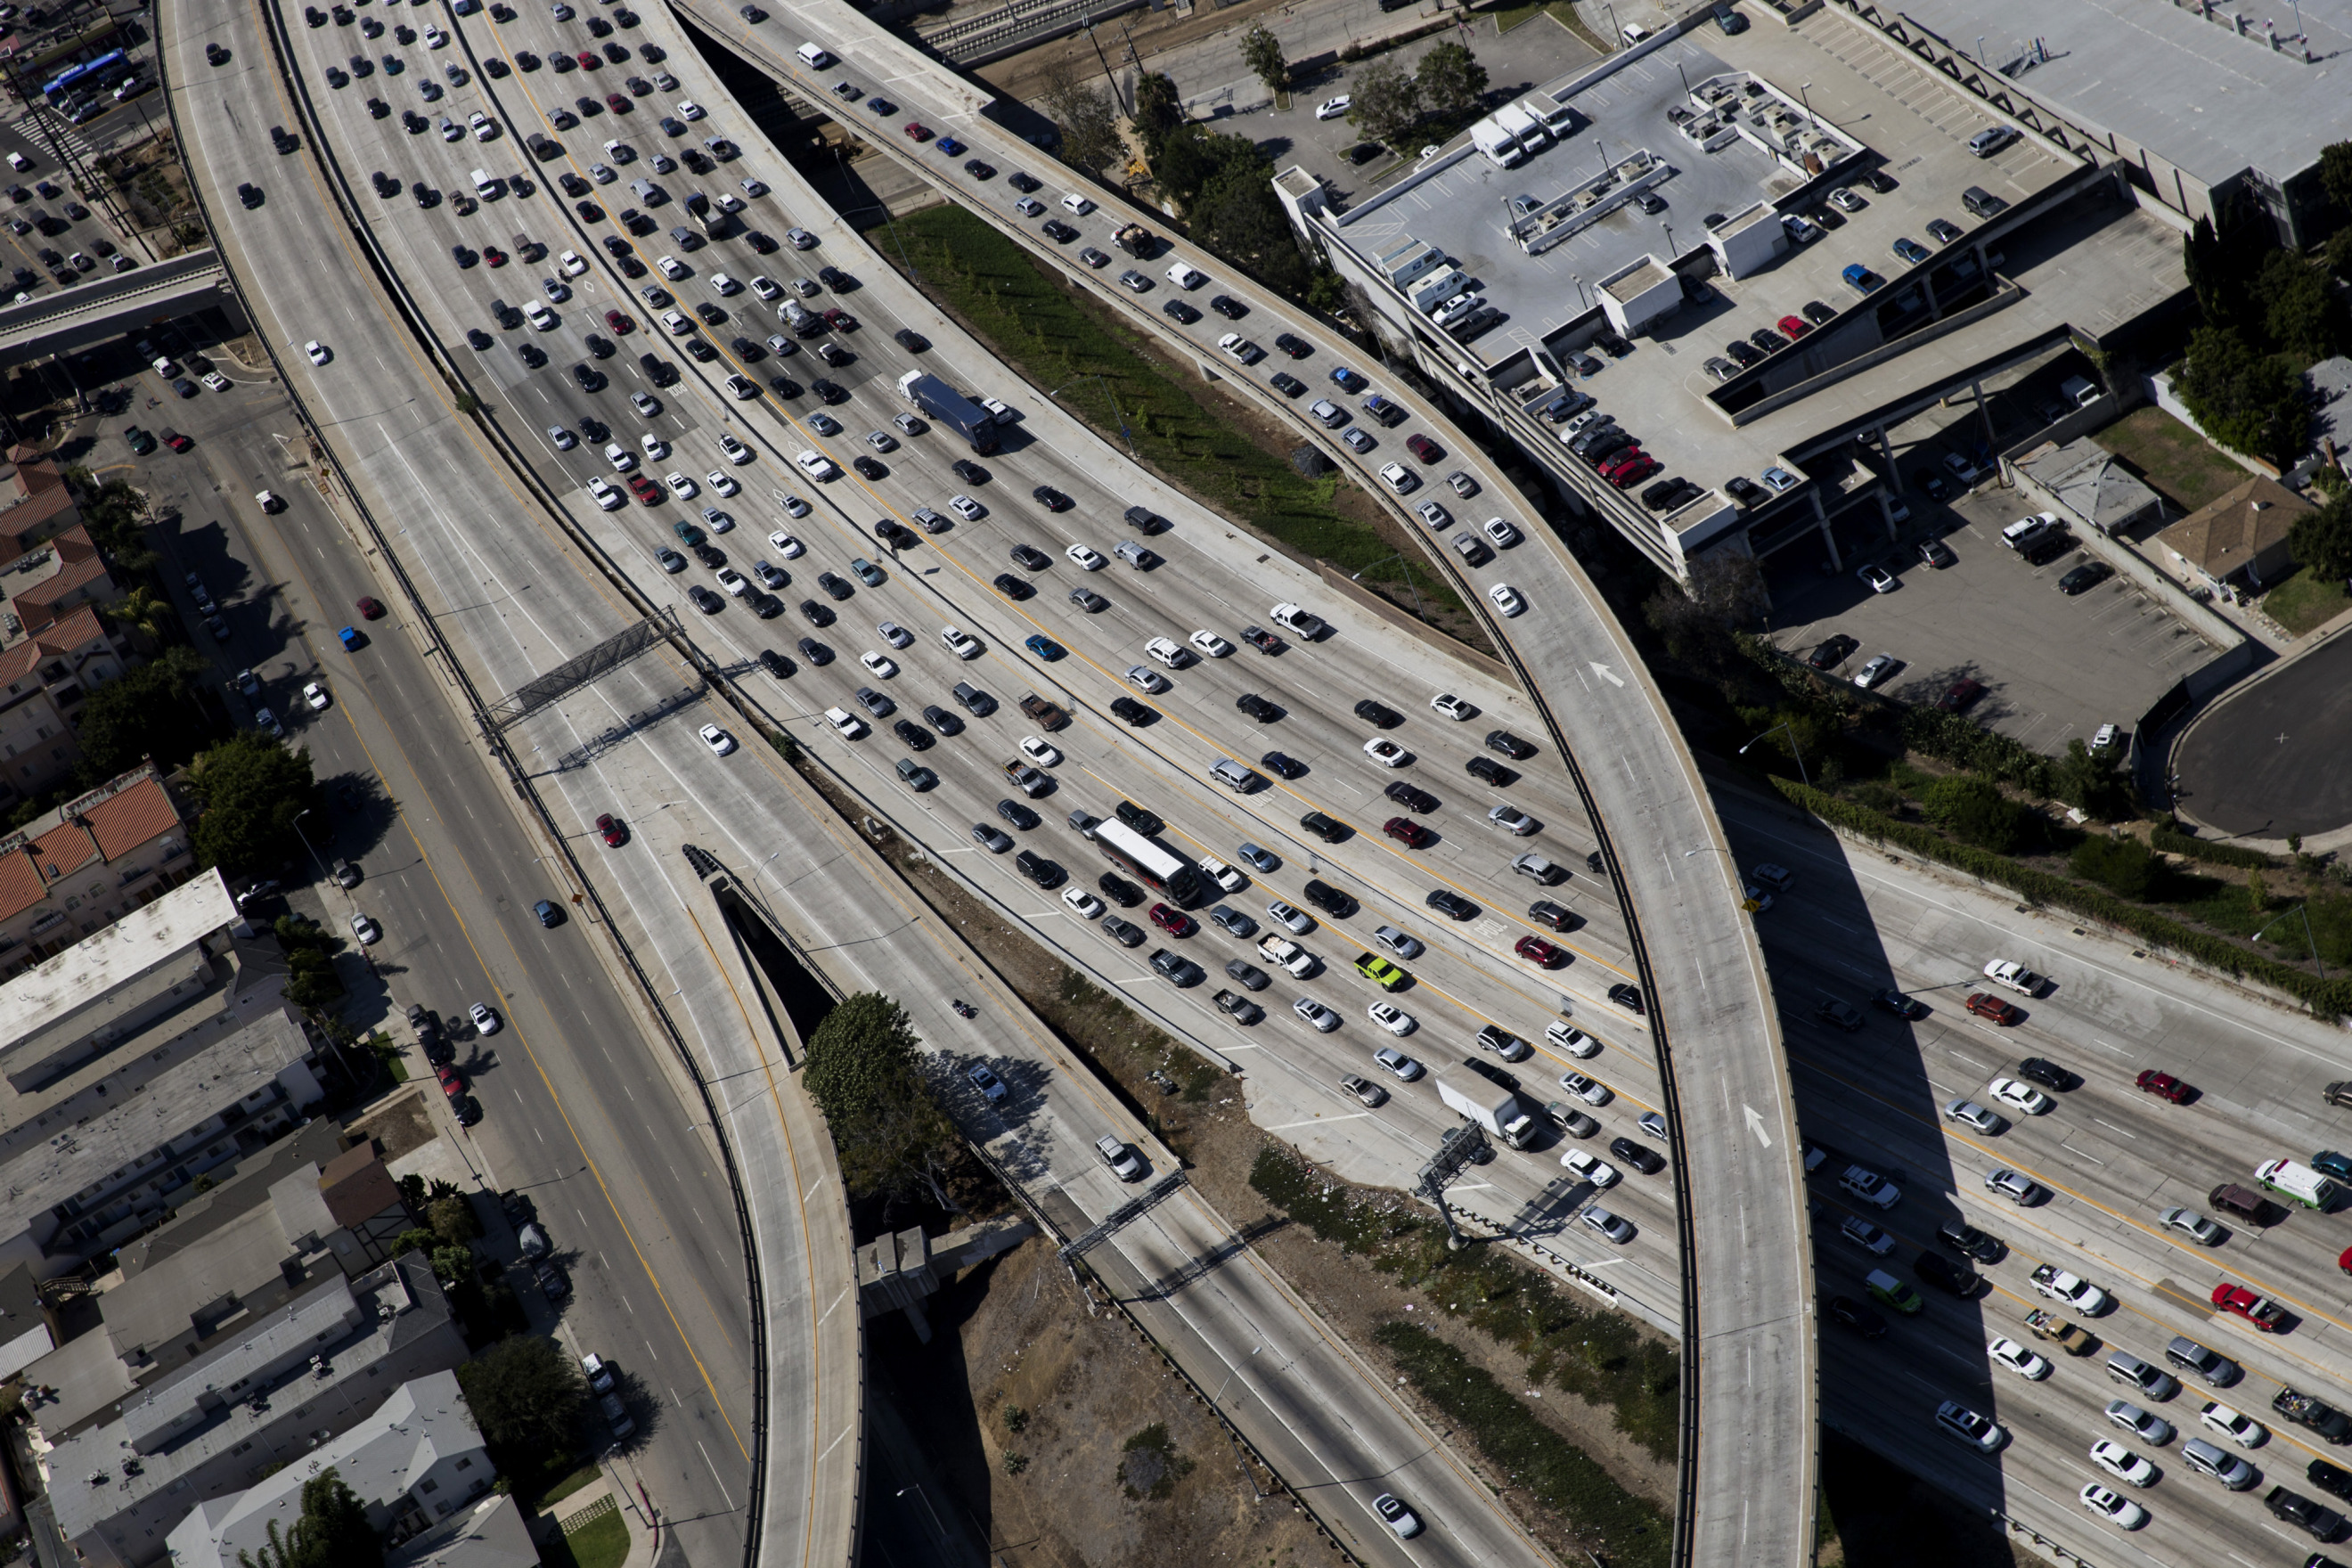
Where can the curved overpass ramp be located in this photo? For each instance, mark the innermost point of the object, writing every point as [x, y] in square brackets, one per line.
[1749, 1452]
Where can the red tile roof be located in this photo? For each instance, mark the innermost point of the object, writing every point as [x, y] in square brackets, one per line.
[131, 817]
[71, 633]
[79, 566]
[44, 503]
[106, 828]
[20, 884]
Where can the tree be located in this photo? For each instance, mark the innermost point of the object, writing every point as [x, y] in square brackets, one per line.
[1262, 52]
[144, 610]
[1191, 162]
[526, 1394]
[1449, 78]
[2321, 541]
[1239, 219]
[2245, 400]
[312, 980]
[2089, 783]
[1697, 623]
[453, 1222]
[2336, 174]
[252, 788]
[2124, 866]
[2337, 253]
[865, 1073]
[162, 709]
[1386, 103]
[1159, 109]
[332, 1532]
[1974, 811]
[1087, 120]
[2301, 313]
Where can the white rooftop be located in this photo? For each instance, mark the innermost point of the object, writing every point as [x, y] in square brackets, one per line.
[52, 1004]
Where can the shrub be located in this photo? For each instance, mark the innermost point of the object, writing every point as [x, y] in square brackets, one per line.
[2124, 864]
[2172, 841]
[1974, 811]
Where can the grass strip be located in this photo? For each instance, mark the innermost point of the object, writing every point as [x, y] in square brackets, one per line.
[1564, 1478]
[1105, 375]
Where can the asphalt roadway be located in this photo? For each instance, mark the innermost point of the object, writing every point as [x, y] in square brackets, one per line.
[2267, 760]
[1755, 1329]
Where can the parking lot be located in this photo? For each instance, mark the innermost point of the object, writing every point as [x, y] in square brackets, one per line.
[2053, 668]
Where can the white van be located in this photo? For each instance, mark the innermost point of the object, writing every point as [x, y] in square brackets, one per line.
[814, 57]
[1077, 205]
[1185, 277]
[484, 185]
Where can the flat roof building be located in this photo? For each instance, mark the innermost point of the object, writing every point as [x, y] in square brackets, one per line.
[74, 870]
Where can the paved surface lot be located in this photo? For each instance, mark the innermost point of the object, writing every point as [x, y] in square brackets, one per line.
[2053, 668]
[2269, 760]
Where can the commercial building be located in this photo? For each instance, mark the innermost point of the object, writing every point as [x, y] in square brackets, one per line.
[1754, 254]
[258, 1404]
[414, 1461]
[74, 870]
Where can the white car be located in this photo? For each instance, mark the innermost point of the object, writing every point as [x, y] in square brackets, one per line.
[1433, 514]
[486, 1018]
[1392, 1019]
[571, 264]
[2073, 1290]
[725, 285]
[737, 452]
[1314, 1012]
[1396, 1064]
[675, 324]
[1334, 108]
[966, 508]
[2121, 1462]
[1240, 349]
[215, 380]
[2115, 1509]
[2243, 1430]
[1087, 906]
[764, 288]
[2021, 1096]
[320, 353]
[1453, 707]
[722, 482]
[816, 465]
[1210, 644]
[1592, 1091]
[316, 696]
[2017, 1188]
[880, 665]
[366, 930]
[1565, 1036]
[602, 174]
[1400, 479]
[717, 739]
[1386, 753]
[481, 125]
[959, 642]
[734, 582]
[1879, 578]
[2199, 1228]
[1600, 1173]
[1506, 598]
[1290, 918]
[2019, 1360]
[2008, 972]
[784, 544]
[894, 634]
[1880, 667]
[1088, 560]
[845, 724]
[1039, 751]
[683, 487]
[607, 494]
[656, 449]
[434, 37]
[1503, 534]
[689, 110]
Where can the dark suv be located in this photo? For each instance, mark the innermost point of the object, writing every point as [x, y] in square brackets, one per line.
[1329, 899]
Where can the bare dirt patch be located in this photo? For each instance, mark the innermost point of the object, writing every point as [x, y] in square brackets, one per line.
[398, 1127]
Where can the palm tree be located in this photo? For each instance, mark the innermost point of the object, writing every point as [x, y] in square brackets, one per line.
[144, 610]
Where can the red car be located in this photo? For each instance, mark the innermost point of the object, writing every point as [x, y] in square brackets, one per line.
[174, 439]
[1624, 460]
[618, 323]
[1962, 693]
[2258, 1310]
[1794, 327]
[614, 833]
[841, 321]
[494, 256]
[616, 103]
[1632, 474]
[2163, 1085]
[918, 132]
[1985, 1005]
[1421, 446]
[645, 489]
[589, 62]
[371, 610]
[1537, 951]
[452, 1084]
[1174, 921]
[1407, 832]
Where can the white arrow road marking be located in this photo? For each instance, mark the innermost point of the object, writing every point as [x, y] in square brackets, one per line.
[1756, 1125]
[1609, 675]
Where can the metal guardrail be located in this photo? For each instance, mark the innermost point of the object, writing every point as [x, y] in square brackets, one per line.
[518, 779]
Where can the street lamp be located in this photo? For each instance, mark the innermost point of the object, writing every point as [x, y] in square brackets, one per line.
[305, 838]
[2299, 909]
[1792, 748]
[1125, 434]
[1805, 91]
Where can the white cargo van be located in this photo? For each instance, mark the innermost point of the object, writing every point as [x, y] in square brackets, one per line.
[484, 185]
[814, 57]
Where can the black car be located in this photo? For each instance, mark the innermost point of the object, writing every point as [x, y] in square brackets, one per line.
[2048, 1074]
[836, 588]
[1287, 384]
[1030, 558]
[1880, 181]
[1059, 232]
[1967, 1240]
[1851, 1314]
[1900, 1006]
[1450, 904]
[1119, 890]
[1050, 499]
[1411, 799]
[1230, 308]
[816, 652]
[1329, 899]
[1946, 1275]
[897, 535]
[1642, 1158]
[1817, 312]
[827, 392]
[1741, 354]
[868, 467]
[1489, 770]
[1280, 764]
[1510, 745]
[1012, 587]
[589, 379]
[2085, 577]
[1292, 346]
[1833, 652]
[1628, 997]
[1127, 933]
[530, 354]
[817, 615]
[1182, 313]
[1020, 181]
[969, 472]
[774, 663]
[1377, 715]
[1324, 828]
[913, 734]
[1132, 711]
[478, 339]
[1746, 491]
[939, 719]
[914, 342]
[1257, 707]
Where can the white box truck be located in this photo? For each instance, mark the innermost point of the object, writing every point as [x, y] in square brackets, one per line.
[1525, 129]
[1497, 1110]
[2300, 1183]
[1498, 146]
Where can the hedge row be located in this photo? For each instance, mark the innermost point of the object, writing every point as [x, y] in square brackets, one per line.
[2328, 998]
[1562, 1476]
[2172, 841]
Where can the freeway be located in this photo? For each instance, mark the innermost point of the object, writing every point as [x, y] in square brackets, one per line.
[2111, 1160]
[1749, 1342]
